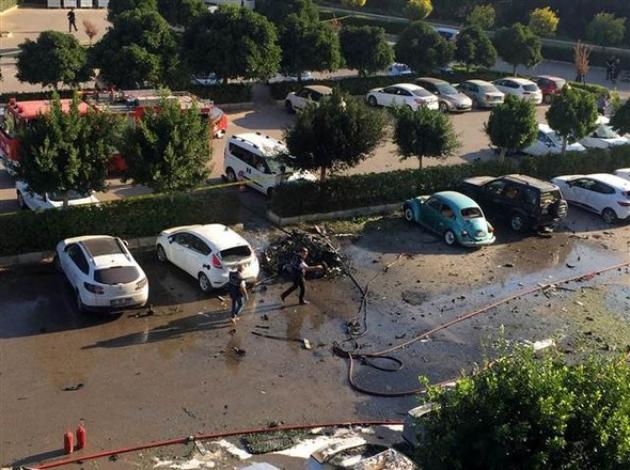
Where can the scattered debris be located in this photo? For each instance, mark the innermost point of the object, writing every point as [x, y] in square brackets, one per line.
[508, 265]
[72, 388]
[307, 344]
[239, 352]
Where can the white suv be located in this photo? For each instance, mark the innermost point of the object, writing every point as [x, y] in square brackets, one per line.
[259, 160]
[520, 87]
[102, 273]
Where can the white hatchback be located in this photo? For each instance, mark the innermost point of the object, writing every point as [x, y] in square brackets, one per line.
[38, 202]
[520, 87]
[604, 136]
[601, 193]
[548, 142]
[102, 272]
[208, 253]
[402, 94]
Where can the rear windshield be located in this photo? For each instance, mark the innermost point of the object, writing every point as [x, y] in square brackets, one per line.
[549, 197]
[116, 275]
[236, 253]
[447, 89]
[530, 88]
[421, 92]
[471, 213]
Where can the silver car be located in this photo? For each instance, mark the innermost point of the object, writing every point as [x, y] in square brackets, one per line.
[449, 97]
[483, 94]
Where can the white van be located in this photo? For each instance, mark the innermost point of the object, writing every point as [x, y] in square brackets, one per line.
[259, 160]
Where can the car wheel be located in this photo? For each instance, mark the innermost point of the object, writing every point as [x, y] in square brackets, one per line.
[289, 107]
[161, 254]
[609, 216]
[517, 222]
[80, 305]
[372, 101]
[443, 107]
[20, 200]
[449, 238]
[204, 283]
[230, 175]
[408, 214]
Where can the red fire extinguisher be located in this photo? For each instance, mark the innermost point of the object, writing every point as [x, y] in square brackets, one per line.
[68, 443]
[81, 437]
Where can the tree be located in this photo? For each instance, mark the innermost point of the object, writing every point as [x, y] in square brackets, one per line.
[424, 133]
[512, 125]
[64, 151]
[418, 9]
[620, 121]
[606, 30]
[572, 114]
[482, 16]
[308, 45]
[543, 22]
[168, 149]
[139, 48]
[116, 7]
[54, 58]
[353, 3]
[365, 48]
[422, 48]
[91, 30]
[474, 47]
[337, 134]
[524, 412]
[233, 42]
[181, 12]
[277, 11]
[582, 57]
[518, 45]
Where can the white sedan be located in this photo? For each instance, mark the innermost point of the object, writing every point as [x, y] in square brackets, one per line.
[548, 142]
[102, 273]
[604, 136]
[603, 194]
[521, 88]
[396, 70]
[208, 253]
[27, 199]
[623, 173]
[402, 94]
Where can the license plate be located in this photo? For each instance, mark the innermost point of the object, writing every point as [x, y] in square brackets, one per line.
[480, 234]
[123, 301]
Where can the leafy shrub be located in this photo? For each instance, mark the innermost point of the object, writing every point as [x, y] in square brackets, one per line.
[222, 94]
[133, 217]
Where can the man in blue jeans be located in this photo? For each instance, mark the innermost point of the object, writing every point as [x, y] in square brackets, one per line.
[238, 291]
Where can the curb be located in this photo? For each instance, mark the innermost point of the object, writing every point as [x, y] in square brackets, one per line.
[371, 210]
[236, 106]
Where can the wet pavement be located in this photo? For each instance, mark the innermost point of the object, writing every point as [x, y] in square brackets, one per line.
[139, 376]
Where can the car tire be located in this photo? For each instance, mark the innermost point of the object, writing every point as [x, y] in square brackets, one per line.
[80, 305]
[230, 175]
[609, 216]
[443, 107]
[289, 107]
[449, 238]
[372, 101]
[518, 222]
[204, 283]
[161, 254]
[20, 201]
[408, 214]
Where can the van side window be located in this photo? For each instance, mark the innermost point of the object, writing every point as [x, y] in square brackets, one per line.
[242, 154]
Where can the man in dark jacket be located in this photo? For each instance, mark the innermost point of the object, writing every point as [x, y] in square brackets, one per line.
[297, 271]
[72, 20]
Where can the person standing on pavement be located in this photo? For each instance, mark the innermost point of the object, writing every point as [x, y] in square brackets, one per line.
[616, 70]
[297, 270]
[609, 69]
[237, 290]
[72, 20]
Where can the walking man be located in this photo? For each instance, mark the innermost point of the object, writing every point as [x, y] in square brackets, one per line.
[72, 20]
[237, 290]
[297, 270]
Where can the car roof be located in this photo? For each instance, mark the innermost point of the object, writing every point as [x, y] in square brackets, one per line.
[545, 128]
[611, 180]
[519, 80]
[102, 246]
[435, 81]
[267, 146]
[478, 82]
[531, 181]
[551, 77]
[406, 86]
[461, 201]
[217, 235]
[321, 89]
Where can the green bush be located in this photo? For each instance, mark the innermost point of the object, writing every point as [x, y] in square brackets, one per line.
[598, 58]
[28, 231]
[390, 26]
[349, 192]
[6, 4]
[222, 94]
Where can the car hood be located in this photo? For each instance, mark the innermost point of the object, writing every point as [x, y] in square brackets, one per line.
[458, 99]
[478, 180]
[301, 176]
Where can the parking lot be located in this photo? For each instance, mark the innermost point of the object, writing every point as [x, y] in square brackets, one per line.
[175, 369]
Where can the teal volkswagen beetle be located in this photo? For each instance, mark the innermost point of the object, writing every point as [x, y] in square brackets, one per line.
[451, 215]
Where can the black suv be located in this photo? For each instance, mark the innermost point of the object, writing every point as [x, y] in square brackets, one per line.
[528, 203]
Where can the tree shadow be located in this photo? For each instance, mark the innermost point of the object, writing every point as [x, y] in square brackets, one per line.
[266, 117]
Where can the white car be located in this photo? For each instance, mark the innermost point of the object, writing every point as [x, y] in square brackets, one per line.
[548, 142]
[603, 194]
[450, 34]
[623, 173]
[102, 273]
[396, 70]
[27, 199]
[520, 87]
[279, 78]
[205, 80]
[311, 94]
[208, 253]
[604, 136]
[402, 94]
[260, 161]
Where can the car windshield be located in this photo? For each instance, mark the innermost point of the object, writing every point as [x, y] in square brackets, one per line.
[488, 88]
[72, 196]
[606, 132]
[471, 213]
[531, 87]
[116, 275]
[420, 92]
[236, 253]
[447, 89]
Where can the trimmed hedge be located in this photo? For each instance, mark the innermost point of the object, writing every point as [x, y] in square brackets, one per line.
[390, 26]
[222, 94]
[598, 58]
[27, 231]
[6, 4]
[349, 192]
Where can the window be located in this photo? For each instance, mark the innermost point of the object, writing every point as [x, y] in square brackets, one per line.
[304, 93]
[75, 253]
[530, 87]
[585, 183]
[512, 192]
[495, 187]
[242, 154]
[471, 213]
[236, 253]
[402, 92]
[198, 245]
[434, 204]
[260, 164]
[602, 188]
[390, 90]
[116, 275]
[427, 86]
[183, 239]
[447, 212]
[511, 84]
[530, 196]
[316, 96]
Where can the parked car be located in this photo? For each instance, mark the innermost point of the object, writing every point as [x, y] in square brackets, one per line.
[450, 34]
[279, 78]
[603, 194]
[549, 142]
[550, 86]
[604, 136]
[311, 94]
[261, 161]
[102, 272]
[396, 70]
[208, 253]
[483, 94]
[449, 97]
[520, 87]
[526, 202]
[27, 199]
[205, 80]
[623, 173]
[453, 216]
[402, 94]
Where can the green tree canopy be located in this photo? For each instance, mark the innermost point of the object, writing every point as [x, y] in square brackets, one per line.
[64, 151]
[424, 133]
[606, 30]
[572, 114]
[54, 58]
[620, 121]
[277, 11]
[339, 133]
[474, 47]
[518, 45]
[482, 16]
[418, 9]
[168, 149]
[523, 412]
[512, 125]
[422, 48]
[543, 22]
[140, 47]
[181, 12]
[233, 42]
[365, 48]
[116, 7]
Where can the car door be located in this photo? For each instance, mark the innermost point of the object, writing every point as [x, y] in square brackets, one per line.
[601, 197]
[180, 243]
[246, 162]
[492, 196]
[387, 97]
[75, 265]
[302, 98]
[430, 214]
[196, 256]
[260, 175]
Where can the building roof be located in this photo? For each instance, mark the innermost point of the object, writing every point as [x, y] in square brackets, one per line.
[34, 108]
